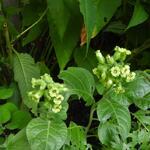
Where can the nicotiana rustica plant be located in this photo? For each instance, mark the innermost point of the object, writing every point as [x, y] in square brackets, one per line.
[113, 71]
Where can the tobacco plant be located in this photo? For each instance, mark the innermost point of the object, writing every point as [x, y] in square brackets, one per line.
[59, 55]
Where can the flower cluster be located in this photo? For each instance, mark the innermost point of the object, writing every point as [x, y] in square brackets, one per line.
[112, 71]
[50, 91]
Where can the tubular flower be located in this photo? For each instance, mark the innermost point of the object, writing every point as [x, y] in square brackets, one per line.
[115, 71]
[131, 77]
[125, 71]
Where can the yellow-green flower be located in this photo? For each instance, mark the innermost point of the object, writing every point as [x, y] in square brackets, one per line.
[53, 92]
[115, 71]
[56, 101]
[131, 77]
[56, 108]
[119, 89]
[125, 71]
[60, 97]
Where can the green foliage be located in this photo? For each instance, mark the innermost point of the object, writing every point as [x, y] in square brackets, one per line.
[75, 110]
[24, 70]
[5, 93]
[79, 82]
[139, 15]
[46, 134]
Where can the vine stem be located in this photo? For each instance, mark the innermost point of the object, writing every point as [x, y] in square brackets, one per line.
[30, 27]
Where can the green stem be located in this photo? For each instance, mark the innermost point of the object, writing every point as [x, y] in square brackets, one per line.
[93, 108]
[7, 39]
[30, 27]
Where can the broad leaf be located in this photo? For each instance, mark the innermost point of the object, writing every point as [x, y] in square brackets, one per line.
[46, 134]
[116, 113]
[58, 16]
[5, 93]
[64, 45]
[10, 107]
[105, 11]
[24, 70]
[4, 115]
[18, 141]
[88, 10]
[107, 133]
[138, 91]
[139, 15]
[19, 120]
[80, 81]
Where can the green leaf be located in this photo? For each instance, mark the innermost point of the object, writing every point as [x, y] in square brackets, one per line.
[76, 136]
[80, 82]
[19, 120]
[24, 70]
[105, 11]
[88, 61]
[5, 93]
[138, 91]
[10, 107]
[143, 117]
[116, 113]
[88, 10]
[4, 115]
[18, 142]
[64, 46]
[59, 16]
[107, 132]
[139, 15]
[46, 134]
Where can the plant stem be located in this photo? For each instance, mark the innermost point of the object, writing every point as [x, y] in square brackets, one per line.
[30, 27]
[93, 108]
[138, 50]
[7, 39]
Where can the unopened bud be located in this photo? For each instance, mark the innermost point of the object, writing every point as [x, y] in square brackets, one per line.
[100, 57]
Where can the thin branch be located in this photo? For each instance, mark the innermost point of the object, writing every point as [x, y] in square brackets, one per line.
[30, 27]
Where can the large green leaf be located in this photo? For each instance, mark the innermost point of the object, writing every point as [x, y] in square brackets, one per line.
[46, 134]
[70, 31]
[105, 11]
[116, 113]
[139, 15]
[18, 142]
[88, 10]
[58, 16]
[24, 70]
[80, 81]
[5, 93]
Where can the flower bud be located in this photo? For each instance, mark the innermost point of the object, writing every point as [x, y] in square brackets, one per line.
[116, 55]
[110, 60]
[100, 57]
